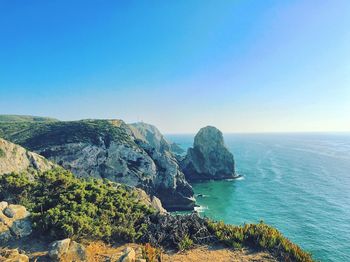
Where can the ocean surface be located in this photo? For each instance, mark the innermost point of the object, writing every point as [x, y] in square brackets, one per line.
[299, 183]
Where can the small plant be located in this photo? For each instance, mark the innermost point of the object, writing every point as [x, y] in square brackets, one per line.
[259, 236]
[151, 254]
[2, 153]
[186, 243]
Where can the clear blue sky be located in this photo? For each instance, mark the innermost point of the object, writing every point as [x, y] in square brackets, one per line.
[243, 66]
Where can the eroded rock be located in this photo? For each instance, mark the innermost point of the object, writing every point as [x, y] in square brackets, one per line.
[129, 255]
[67, 250]
[12, 255]
[15, 158]
[14, 222]
[209, 158]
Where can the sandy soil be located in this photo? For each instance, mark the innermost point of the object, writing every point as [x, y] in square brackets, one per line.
[217, 254]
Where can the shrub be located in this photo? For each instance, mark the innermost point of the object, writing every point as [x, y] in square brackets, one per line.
[65, 206]
[186, 243]
[151, 254]
[259, 236]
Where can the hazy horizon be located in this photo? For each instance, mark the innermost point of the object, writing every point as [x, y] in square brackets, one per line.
[242, 66]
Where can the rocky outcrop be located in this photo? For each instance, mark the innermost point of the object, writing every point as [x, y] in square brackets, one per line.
[209, 158]
[151, 201]
[154, 137]
[129, 255]
[109, 149]
[12, 255]
[14, 158]
[158, 148]
[67, 250]
[14, 222]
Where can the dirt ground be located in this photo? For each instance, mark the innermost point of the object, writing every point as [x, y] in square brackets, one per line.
[100, 252]
[217, 254]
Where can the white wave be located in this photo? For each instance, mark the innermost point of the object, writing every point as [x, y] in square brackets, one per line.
[200, 209]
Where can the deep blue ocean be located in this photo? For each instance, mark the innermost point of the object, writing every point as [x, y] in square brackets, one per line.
[299, 183]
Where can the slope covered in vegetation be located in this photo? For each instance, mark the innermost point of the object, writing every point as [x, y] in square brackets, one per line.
[25, 118]
[65, 206]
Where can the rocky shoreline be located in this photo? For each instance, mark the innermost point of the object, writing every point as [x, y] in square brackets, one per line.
[102, 183]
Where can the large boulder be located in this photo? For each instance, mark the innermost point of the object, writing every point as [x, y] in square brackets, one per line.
[67, 250]
[151, 201]
[14, 158]
[129, 255]
[209, 158]
[14, 222]
[12, 255]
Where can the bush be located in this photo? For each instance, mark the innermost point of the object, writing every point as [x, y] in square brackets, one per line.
[151, 254]
[186, 243]
[65, 206]
[259, 236]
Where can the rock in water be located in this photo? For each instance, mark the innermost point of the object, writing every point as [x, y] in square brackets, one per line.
[209, 158]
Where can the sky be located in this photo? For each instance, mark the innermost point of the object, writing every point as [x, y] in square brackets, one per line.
[242, 66]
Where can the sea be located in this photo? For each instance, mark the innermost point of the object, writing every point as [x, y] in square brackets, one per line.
[297, 182]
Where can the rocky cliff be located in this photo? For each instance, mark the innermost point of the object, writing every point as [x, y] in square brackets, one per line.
[107, 149]
[154, 137]
[14, 158]
[209, 158]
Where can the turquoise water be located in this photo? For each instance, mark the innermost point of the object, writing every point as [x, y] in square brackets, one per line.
[299, 183]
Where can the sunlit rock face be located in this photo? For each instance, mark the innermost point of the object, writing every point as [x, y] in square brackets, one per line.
[208, 158]
[137, 156]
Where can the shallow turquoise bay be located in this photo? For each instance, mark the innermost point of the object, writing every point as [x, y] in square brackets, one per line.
[299, 183]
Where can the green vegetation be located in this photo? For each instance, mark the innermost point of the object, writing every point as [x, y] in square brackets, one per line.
[2, 153]
[21, 118]
[259, 236]
[186, 243]
[38, 135]
[65, 206]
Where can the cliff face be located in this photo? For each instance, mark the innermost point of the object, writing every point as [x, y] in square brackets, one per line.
[159, 149]
[154, 137]
[14, 158]
[209, 158]
[108, 149]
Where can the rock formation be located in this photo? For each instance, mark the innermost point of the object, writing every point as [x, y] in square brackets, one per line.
[209, 158]
[67, 250]
[12, 255]
[14, 158]
[154, 137]
[108, 149]
[14, 222]
[151, 201]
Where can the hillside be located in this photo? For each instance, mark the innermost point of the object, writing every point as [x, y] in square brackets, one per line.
[106, 149]
[25, 118]
[14, 158]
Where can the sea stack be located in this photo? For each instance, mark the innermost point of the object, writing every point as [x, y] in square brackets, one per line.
[209, 158]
